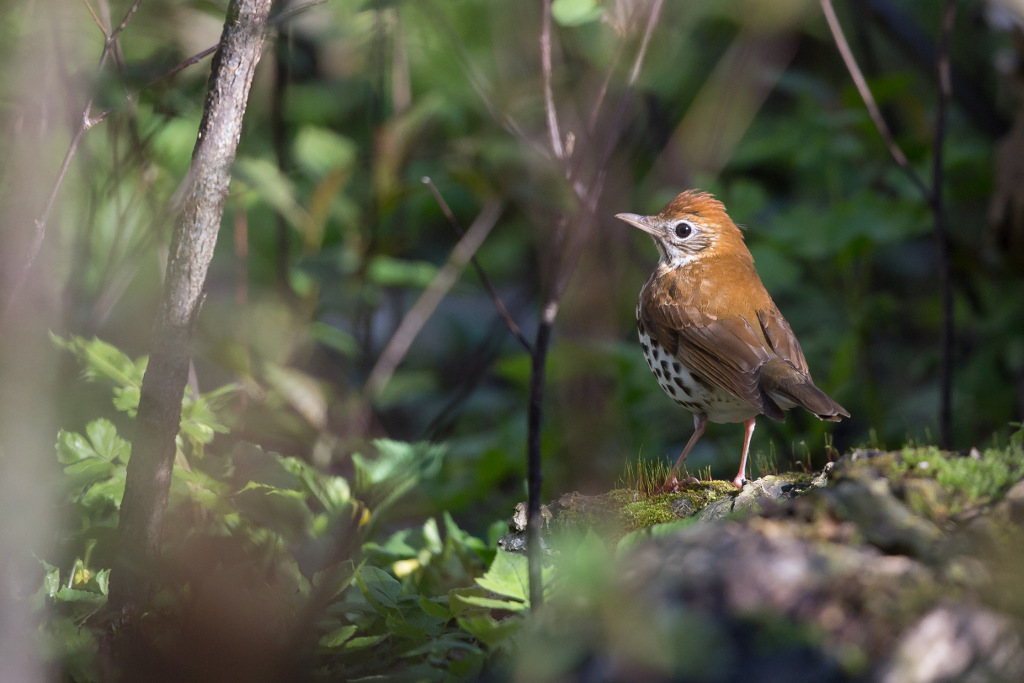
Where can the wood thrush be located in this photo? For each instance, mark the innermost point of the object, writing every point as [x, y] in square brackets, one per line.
[709, 330]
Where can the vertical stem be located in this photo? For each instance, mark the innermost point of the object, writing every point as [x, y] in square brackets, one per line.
[941, 231]
[538, 362]
[148, 477]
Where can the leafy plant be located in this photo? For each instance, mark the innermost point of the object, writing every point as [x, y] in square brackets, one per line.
[371, 604]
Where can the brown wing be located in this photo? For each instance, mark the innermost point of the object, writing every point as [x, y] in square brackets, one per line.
[781, 338]
[725, 352]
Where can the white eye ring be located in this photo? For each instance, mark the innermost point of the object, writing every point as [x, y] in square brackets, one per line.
[683, 230]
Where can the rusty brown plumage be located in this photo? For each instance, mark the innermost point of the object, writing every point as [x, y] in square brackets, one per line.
[729, 355]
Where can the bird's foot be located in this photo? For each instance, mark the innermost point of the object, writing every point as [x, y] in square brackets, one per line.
[739, 481]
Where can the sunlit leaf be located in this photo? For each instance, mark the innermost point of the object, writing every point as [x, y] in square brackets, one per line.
[319, 151]
[575, 12]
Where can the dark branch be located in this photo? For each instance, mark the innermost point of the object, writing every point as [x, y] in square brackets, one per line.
[941, 232]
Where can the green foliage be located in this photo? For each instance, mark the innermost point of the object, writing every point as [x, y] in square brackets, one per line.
[384, 603]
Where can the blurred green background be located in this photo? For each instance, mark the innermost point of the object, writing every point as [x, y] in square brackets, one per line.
[330, 234]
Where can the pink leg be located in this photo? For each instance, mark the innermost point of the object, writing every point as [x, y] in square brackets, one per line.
[741, 477]
[700, 421]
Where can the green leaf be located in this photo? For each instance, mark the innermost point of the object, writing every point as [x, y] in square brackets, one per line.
[272, 186]
[335, 578]
[51, 581]
[332, 492]
[338, 636]
[386, 271]
[73, 595]
[433, 608]
[508, 576]
[491, 603]
[333, 338]
[398, 467]
[126, 399]
[72, 447]
[318, 151]
[105, 441]
[575, 12]
[104, 361]
[489, 630]
[380, 588]
[87, 472]
[364, 642]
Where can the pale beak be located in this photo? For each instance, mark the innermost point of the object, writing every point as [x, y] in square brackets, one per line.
[637, 221]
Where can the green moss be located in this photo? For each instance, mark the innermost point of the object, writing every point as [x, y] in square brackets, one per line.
[966, 480]
[639, 512]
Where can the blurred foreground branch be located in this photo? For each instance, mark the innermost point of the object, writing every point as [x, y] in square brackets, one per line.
[195, 234]
[87, 121]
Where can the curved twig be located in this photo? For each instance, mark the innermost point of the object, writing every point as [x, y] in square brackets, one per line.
[869, 100]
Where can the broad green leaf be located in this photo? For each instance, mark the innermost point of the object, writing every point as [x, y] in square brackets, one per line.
[335, 579]
[433, 608]
[489, 630]
[66, 594]
[103, 360]
[105, 441]
[87, 472]
[126, 399]
[364, 642]
[338, 636]
[379, 587]
[575, 12]
[508, 576]
[72, 447]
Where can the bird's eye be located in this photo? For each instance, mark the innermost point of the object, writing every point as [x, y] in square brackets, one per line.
[683, 230]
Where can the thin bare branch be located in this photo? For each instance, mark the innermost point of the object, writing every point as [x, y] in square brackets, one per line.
[498, 303]
[652, 21]
[554, 134]
[95, 18]
[87, 122]
[602, 92]
[594, 191]
[199, 56]
[124, 23]
[869, 100]
[483, 88]
[417, 316]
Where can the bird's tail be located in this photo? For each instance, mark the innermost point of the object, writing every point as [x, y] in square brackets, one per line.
[784, 387]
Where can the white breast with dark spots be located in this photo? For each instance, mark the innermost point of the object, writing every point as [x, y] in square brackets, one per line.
[687, 390]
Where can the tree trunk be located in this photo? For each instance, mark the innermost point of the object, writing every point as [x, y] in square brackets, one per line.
[195, 235]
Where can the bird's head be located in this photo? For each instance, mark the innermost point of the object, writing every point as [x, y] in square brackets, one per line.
[692, 226]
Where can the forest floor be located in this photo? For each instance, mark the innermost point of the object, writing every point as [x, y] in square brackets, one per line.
[891, 566]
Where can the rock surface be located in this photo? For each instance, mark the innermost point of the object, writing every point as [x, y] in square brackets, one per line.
[872, 570]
